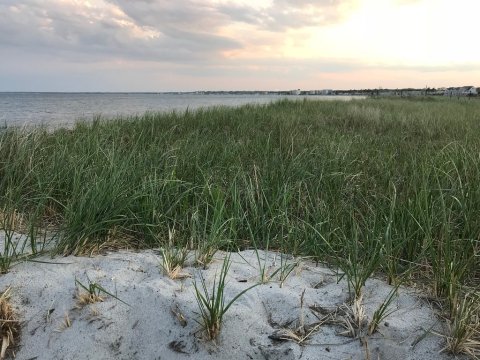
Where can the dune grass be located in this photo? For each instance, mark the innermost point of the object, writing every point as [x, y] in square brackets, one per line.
[212, 304]
[9, 324]
[371, 185]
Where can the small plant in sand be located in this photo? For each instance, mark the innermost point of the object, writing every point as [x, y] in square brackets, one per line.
[205, 253]
[464, 326]
[302, 332]
[9, 324]
[212, 304]
[267, 273]
[92, 293]
[383, 310]
[268, 269]
[263, 267]
[353, 318]
[172, 263]
[173, 258]
[65, 323]
[285, 269]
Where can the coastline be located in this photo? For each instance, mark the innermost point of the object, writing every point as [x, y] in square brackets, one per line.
[375, 187]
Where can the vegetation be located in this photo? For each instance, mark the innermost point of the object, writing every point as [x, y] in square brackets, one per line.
[464, 326]
[369, 185]
[92, 293]
[211, 304]
[173, 258]
[9, 324]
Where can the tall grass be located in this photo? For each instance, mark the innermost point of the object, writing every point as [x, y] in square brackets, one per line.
[382, 183]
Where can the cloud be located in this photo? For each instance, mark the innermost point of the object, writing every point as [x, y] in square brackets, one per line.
[153, 30]
[78, 29]
[282, 15]
[199, 16]
[152, 44]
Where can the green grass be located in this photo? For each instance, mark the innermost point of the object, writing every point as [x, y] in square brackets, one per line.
[92, 293]
[173, 257]
[383, 184]
[212, 304]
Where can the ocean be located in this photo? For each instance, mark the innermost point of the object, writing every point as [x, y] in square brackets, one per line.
[64, 109]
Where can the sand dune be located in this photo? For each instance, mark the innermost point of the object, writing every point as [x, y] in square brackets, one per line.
[159, 322]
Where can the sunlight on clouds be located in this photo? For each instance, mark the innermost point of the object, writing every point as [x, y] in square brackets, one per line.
[427, 32]
[138, 31]
[374, 32]
[297, 40]
[399, 40]
[99, 10]
[303, 20]
[265, 44]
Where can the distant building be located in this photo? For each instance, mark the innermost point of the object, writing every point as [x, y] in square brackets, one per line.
[461, 91]
[295, 92]
[325, 92]
[469, 91]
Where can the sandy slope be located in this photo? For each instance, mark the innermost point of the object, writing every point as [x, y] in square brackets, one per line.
[44, 293]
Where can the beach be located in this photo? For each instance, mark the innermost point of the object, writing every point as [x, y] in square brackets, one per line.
[110, 224]
[154, 317]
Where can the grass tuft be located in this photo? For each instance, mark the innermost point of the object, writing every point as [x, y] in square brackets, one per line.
[464, 326]
[9, 323]
[92, 293]
[383, 311]
[173, 258]
[212, 304]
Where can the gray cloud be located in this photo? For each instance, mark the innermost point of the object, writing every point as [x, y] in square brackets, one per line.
[201, 16]
[190, 15]
[73, 32]
[182, 31]
[285, 14]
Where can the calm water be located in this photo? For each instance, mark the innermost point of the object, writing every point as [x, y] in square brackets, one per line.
[63, 109]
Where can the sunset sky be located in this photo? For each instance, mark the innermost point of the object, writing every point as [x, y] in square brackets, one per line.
[185, 45]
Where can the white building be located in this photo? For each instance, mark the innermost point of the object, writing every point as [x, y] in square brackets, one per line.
[326, 92]
[469, 91]
[461, 91]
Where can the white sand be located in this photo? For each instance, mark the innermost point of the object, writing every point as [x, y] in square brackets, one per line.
[44, 293]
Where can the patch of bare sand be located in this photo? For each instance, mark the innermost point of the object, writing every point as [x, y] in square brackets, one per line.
[159, 323]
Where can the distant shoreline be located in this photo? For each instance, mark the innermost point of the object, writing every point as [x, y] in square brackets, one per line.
[64, 109]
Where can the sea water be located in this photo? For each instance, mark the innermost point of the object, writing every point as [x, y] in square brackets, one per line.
[64, 109]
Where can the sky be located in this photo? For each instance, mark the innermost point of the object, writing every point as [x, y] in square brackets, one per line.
[189, 45]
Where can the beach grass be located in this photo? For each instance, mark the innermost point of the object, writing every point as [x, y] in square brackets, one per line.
[9, 324]
[373, 185]
[212, 304]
